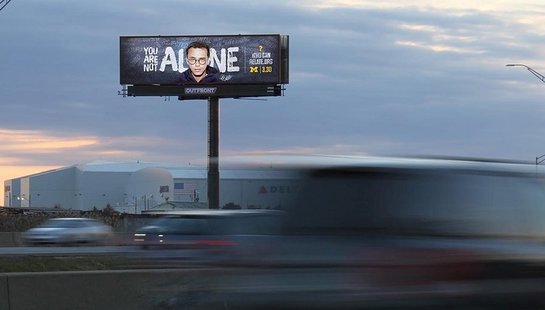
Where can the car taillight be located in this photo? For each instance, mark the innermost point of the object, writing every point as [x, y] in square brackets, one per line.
[216, 242]
[139, 237]
[414, 266]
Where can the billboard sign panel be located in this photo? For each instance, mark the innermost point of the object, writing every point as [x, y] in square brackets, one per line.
[234, 60]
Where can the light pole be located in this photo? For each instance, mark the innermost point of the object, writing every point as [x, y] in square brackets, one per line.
[534, 72]
[539, 159]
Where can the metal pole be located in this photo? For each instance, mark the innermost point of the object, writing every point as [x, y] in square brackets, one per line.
[213, 154]
[534, 72]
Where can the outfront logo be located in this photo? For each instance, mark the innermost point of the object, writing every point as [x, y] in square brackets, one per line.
[200, 90]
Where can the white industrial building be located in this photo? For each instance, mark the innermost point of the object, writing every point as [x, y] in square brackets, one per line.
[133, 187]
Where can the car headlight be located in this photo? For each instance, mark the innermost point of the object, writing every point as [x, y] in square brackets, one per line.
[139, 237]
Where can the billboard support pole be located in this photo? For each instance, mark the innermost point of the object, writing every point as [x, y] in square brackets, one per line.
[213, 154]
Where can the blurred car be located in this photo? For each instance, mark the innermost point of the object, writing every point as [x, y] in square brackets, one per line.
[69, 231]
[402, 233]
[208, 235]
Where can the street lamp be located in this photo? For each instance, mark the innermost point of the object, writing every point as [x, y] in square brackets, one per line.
[539, 159]
[534, 72]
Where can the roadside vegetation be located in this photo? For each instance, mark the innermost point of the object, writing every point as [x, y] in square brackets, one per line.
[23, 220]
[45, 264]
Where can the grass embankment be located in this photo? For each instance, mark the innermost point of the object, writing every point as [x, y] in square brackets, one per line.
[44, 264]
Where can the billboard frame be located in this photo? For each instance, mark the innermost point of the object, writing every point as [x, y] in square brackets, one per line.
[197, 91]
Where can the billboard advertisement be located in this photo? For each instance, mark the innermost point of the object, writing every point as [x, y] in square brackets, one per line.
[192, 60]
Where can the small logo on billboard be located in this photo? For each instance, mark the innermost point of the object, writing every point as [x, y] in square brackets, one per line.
[262, 190]
[200, 90]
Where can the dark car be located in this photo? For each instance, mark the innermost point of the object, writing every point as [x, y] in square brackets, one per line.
[403, 233]
[206, 236]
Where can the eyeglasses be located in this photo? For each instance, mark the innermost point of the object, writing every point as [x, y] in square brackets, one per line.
[192, 61]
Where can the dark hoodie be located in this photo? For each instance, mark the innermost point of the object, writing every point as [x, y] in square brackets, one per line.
[212, 76]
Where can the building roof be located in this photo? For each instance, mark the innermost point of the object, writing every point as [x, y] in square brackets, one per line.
[278, 167]
[177, 171]
[124, 166]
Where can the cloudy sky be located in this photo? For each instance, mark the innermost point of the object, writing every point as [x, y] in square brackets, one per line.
[366, 77]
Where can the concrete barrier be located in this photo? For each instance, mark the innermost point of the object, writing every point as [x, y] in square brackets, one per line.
[4, 292]
[129, 289]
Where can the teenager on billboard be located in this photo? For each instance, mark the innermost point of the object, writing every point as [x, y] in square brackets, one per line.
[198, 54]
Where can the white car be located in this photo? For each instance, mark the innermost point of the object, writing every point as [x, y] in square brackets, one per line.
[68, 231]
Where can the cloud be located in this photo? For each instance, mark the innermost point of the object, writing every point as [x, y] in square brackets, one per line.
[428, 5]
[24, 147]
[438, 48]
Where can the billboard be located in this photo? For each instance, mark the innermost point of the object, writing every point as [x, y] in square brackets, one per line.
[160, 63]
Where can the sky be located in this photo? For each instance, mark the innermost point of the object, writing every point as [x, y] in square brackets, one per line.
[399, 78]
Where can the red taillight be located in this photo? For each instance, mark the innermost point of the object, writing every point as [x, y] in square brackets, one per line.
[216, 242]
[414, 266]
